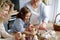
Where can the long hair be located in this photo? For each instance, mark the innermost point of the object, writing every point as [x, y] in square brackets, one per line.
[22, 13]
[4, 4]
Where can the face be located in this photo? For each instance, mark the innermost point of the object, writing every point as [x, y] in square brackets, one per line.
[36, 2]
[5, 11]
[27, 17]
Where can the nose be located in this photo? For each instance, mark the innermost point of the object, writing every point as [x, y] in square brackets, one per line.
[27, 17]
[6, 12]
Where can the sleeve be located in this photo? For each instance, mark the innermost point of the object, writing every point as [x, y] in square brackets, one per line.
[11, 30]
[45, 15]
[19, 26]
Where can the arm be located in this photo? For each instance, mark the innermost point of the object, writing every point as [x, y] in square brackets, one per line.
[11, 30]
[29, 30]
[29, 33]
[45, 15]
[44, 18]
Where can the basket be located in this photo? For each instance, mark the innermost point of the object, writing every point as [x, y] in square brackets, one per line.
[56, 27]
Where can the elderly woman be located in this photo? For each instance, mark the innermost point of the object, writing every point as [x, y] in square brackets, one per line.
[6, 8]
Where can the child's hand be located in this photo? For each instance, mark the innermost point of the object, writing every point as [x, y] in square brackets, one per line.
[18, 36]
[31, 25]
[32, 34]
[30, 28]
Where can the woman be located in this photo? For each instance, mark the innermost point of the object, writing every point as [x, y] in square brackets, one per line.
[6, 8]
[39, 16]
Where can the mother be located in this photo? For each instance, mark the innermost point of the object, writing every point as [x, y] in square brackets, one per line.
[6, 8]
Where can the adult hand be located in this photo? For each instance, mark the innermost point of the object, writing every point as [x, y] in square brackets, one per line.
[42, 26]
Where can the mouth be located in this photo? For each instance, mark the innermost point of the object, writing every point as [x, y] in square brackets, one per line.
[4, 16]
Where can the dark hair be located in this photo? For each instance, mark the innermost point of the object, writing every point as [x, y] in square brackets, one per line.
[22, 13]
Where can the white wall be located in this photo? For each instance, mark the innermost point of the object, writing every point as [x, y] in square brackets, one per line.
[58, 10]
[22, 2]
[52, 9]
[55, 5]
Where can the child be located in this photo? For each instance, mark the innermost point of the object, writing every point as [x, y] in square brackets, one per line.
[21, 23]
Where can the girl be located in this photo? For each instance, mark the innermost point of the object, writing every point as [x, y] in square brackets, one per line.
[21, 23]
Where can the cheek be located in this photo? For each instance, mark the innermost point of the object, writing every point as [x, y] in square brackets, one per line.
[25, 18]
[5, 13]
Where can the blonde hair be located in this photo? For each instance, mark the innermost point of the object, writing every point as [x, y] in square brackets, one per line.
[3, 4]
